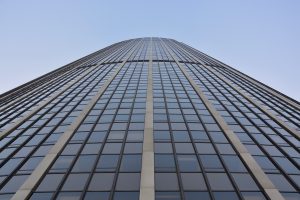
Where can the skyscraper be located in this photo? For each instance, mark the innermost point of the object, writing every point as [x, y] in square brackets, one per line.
[148, 118]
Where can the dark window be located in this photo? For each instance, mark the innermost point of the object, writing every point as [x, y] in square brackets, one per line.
[164, 163]
[167, 196]
[211, 163]
[166, 181]
[50, 182]
[125, 178]
[245, 182]
[96, 195]
[233, 163]
[62, 164]
[75, 182]
[126, 196]
[14, 184]
[193, 181]
[225, 195]
[196, 196]
[219, 181]
[131, 163]
[101, 182]
[188, 163]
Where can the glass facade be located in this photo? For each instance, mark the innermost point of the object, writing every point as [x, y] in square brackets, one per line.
[148, 118]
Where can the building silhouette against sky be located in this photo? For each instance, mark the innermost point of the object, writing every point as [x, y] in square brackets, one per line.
[148, 118]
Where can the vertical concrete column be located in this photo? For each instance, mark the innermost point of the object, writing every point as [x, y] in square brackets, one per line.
[261, 178]
[147, 191]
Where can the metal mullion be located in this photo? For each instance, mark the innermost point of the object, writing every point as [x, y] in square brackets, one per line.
[254, 140]
[46, 137]
[263, 180]
[171, 137]
[203, 172]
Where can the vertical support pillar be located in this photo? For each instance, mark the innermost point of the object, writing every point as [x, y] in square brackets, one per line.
[147, 191]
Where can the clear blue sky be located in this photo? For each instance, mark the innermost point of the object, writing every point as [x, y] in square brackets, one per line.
[259, 37]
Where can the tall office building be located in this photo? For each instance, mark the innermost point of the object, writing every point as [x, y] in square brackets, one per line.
[148, 118]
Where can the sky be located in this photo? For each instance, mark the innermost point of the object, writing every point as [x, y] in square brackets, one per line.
[259, 38]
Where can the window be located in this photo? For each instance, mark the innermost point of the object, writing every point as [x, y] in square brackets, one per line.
[245, 182]
[38, 196]
[188, 163]
[30, 165]
[14, 184]
[164, 163]
[112, 148]
[184, 148]
[50, 182]
[167, 196]
[96, 195]
[193, 181]
[253, 195]
[219, 181]
[101, 182]
[126, 196]
[211, 163]
[163, 148]
[91, 148]
[107, 163]
[75, 182]
[133, 148]
[71, 149]
[233, 163]
[166, 181]
[181, 136]
[196, 196]
[84, 163]
[125, 178]
[281, 183]
[131, 163]
[62, 164]
[68, 195]
[205, 148]
[225, 195]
